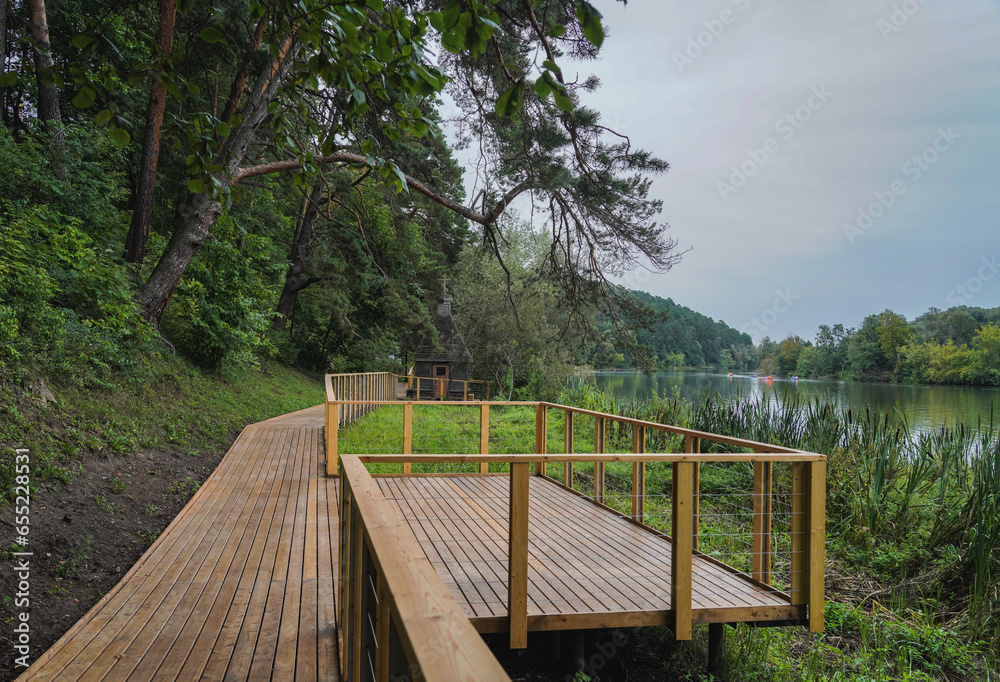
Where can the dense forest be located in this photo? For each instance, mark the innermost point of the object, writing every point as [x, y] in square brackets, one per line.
[681, 337]
[960, 345]
[253, 179]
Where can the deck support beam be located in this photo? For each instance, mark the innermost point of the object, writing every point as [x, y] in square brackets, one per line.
[332, 427]
[682, 545]
[762, 475]
[517, 561]
[809, 538]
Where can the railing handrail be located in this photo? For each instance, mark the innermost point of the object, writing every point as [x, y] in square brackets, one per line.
[436, 635]
[460, 458]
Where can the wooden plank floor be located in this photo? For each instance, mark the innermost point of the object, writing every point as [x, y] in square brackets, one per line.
[238, 587]
[588, 567]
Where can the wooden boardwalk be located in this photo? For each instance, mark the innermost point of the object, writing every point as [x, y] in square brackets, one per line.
[238, 587]
[588, 567]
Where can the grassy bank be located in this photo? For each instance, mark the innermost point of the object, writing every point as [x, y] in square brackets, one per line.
[912, 574]
[109, 469]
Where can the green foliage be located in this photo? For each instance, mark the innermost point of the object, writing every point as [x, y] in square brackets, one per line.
[65, 309]
[511, 316]
[682, 337]
[222, 309]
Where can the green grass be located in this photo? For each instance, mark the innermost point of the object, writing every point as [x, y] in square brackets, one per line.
[181, 408]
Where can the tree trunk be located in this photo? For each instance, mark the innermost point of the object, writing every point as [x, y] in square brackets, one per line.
[199, 211]
[145, 191]
[295, 278]
[3, 57]
[48, 94]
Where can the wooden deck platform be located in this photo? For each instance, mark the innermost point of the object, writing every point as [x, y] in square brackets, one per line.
[238, 587]
[588, 566]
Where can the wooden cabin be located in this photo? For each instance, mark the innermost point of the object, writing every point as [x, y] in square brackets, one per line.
[446, 362]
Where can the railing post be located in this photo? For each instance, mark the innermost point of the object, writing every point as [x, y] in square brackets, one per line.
[817, 544]
[639, 474]
[692, 445]
[407, 436]
[541, 426]
[599, 466]
[484, 436]
[799, 534]
[762, 501]
[568, 466]
[332, 428]
[517, 561]
[681, 548]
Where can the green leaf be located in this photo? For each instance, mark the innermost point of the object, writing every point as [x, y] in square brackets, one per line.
[119, 135]
[451, 13]
[402, 185]
[196, 186]
[81, 41]
[542, 87]
[376, 5]
[8, 79]
[557, 30]
[211, 35]
[222, 129]
[590, 21]
[103, 117]
[85, 97]
[562, 100]
[510, 102]
[437, 21]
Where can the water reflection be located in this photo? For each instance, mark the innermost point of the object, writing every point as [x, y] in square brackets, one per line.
[926, 407]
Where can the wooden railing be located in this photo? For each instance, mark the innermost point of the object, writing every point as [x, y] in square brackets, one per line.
[806, 496]
[445, 389]
[397, 618]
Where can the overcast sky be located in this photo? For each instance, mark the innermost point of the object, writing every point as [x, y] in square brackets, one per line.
[820, 108]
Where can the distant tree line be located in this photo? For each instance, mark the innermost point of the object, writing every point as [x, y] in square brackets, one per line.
[960, 345]
[680, 337]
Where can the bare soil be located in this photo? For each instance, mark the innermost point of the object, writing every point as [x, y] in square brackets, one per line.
[86, 535]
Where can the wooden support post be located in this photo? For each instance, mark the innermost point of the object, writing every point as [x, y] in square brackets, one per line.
[517, 562]
[762, 500]
[465, 391]
[681, 548]
[716, 638]
[800, 534]
[693, 446]
[568, 466]
[817, 544]
[599, 466]
[541, 433]
[332, 429]
[484, 436]
[638, 474]
[382, 623]
[407, 436]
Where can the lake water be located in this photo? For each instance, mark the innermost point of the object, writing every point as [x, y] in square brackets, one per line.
[926, 407]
